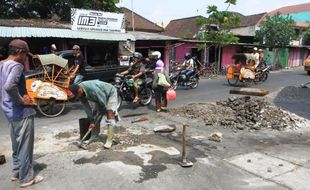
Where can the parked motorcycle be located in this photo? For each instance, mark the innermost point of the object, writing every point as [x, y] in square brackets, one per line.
[125, 87]
[263, 72]
[179, 79]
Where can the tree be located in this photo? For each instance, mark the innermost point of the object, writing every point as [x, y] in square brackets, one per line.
[276, 31]
[45, 9]
[216, 28]
[306, 37]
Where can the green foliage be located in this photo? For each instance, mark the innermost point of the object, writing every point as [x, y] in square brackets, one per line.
[306, 38]
[47, 8]
[216, 28]
[276, 31]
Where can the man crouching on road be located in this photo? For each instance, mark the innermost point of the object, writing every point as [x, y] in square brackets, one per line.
[15, 103]
[104, 95]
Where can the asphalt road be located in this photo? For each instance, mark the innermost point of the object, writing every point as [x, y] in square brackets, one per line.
[209, 90]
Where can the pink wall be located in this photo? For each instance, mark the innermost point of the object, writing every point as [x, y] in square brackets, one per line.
[295, 58]
[227, 53]
[181, 50]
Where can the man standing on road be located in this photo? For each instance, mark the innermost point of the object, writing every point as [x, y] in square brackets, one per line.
[14, 103]
[78, 62]
[104, 95]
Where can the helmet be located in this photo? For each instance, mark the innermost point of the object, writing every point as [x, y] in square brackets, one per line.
[138, 56]
[187, 56]
[156, 54]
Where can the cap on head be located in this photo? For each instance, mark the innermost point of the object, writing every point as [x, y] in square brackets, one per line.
[76, 47]
[255, 48]
[260, 50]
[74, 88]
[19, 44]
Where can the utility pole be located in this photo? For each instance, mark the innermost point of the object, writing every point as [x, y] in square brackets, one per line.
[132, 17]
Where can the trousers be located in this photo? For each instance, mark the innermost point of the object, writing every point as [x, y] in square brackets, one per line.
[22, 137]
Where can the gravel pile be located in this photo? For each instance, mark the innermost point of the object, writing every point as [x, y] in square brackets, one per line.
[240, 113]
[293, 93]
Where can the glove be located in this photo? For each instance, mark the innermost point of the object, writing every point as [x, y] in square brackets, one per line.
[91, 126]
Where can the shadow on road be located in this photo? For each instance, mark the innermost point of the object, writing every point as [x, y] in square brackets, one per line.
[295, 100]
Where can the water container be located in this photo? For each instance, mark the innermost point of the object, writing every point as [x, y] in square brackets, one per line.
[171, 95]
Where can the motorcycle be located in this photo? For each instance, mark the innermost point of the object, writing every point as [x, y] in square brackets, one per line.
[177, 79]
[263, 72]
[125, 87]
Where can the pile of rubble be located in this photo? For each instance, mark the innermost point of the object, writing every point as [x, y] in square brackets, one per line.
[241, 113]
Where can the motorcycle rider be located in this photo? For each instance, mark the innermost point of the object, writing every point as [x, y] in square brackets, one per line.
[137, 72]
[189, 66]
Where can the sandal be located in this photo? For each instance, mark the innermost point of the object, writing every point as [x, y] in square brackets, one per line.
[35, 180]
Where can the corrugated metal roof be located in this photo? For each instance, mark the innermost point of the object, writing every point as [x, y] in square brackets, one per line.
[151, 36]
[23, 32]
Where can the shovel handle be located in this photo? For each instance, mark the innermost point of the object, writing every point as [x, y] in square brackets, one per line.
[86, 134]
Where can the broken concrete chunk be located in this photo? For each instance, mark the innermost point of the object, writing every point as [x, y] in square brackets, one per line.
[217, 137]
[164, 129]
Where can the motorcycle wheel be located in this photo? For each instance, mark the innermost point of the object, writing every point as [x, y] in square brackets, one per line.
[174, 84]
[233, 81]
[51, 107]
[146, 96]
[264, 76]
[194, 82]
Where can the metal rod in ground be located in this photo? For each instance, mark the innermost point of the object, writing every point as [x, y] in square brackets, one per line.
[184, 162]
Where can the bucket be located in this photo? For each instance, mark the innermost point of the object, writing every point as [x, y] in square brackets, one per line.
[84, 124]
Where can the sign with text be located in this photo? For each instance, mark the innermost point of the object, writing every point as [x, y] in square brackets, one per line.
[97, 21]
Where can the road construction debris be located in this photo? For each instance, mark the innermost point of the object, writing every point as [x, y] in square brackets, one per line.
[239, 113]
[164, 129]
[216, 137]
[142, 118]
[2, 159]
[249, 91]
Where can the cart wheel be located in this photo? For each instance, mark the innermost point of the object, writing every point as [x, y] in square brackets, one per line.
[51, 107]
[233, 81]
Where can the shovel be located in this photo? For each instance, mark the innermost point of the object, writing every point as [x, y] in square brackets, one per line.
[80, 143]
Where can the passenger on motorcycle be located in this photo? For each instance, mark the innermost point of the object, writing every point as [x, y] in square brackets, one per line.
[137, 73]
[189, 66]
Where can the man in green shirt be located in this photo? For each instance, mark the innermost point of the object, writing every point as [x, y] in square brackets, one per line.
[104, 95]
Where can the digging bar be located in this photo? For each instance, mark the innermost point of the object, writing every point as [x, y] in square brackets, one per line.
[184, 163]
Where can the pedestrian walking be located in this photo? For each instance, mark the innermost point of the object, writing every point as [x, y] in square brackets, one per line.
[15, 105]
[104, 95]
[161, 102]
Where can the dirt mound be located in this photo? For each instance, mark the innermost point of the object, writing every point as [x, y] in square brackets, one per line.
[240, 113]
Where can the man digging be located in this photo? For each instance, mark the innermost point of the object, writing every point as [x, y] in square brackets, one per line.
[104, 95]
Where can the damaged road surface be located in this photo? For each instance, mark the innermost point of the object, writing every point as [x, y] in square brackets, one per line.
[234, 143]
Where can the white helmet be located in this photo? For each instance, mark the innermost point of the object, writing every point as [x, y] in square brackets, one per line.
[156, 54]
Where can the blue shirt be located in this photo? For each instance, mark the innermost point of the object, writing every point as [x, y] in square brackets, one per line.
[12, 88]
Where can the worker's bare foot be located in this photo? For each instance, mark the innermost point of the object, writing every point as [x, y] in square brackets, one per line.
[14, 178]
[34, 181]
[136, 99]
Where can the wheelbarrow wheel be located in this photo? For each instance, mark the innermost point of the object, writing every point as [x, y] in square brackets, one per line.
[51, 107]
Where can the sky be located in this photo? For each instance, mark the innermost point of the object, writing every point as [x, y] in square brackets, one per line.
[162, 11]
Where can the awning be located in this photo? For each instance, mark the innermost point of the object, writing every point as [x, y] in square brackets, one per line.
[28, 32]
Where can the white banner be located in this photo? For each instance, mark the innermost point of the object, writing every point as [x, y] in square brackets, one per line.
[97, 21]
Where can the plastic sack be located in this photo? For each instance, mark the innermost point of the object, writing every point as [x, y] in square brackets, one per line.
[162, 81]
[171, 95]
